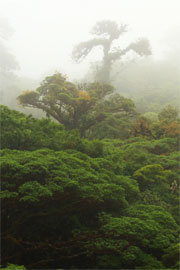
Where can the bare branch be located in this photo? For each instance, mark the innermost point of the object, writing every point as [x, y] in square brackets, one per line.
[84, 48]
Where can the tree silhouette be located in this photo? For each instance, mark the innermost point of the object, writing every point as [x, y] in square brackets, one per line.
[107, 32]
[8, 65]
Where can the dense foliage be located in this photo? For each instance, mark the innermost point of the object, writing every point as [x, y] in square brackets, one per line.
[74, 203]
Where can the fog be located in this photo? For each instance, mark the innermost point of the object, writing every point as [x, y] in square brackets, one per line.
[40, 35]
[45, 31]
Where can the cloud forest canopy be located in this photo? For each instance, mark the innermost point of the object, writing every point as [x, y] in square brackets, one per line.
[98, 187]
[71, 203]
[107, 32]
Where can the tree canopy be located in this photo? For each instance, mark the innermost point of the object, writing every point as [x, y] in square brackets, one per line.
[72, 203]
[76, 107]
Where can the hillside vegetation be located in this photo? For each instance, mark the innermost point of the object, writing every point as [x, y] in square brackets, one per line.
[99, 191]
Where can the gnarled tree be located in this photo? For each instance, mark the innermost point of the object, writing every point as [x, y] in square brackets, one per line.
[107, 32]
[75, 107]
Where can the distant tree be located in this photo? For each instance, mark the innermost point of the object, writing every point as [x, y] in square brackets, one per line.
[8, 64]
[168, 124]
[168, 114]
[107, 32]
[74, 107]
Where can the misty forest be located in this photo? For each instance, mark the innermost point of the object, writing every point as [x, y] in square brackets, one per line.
[90, 166]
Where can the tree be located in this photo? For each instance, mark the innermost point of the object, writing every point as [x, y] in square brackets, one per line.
[168, 124]
[169, 114]
[107, 32]
[8, 64]
[74, 107]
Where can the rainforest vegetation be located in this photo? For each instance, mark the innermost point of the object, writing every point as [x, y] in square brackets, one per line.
[94, 183]
[97, 189]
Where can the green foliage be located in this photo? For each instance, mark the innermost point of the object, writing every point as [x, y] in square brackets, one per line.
[78, 108]
[6, 194]
[171, 258]
[43, 172]
[134, 240]
[14, 267]
[93, 148]
[32, 191]
[22, 132]
[168, 114]
[79, 203]
[148, 175]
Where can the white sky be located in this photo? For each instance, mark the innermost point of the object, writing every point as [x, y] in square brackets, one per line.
[47, 30]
